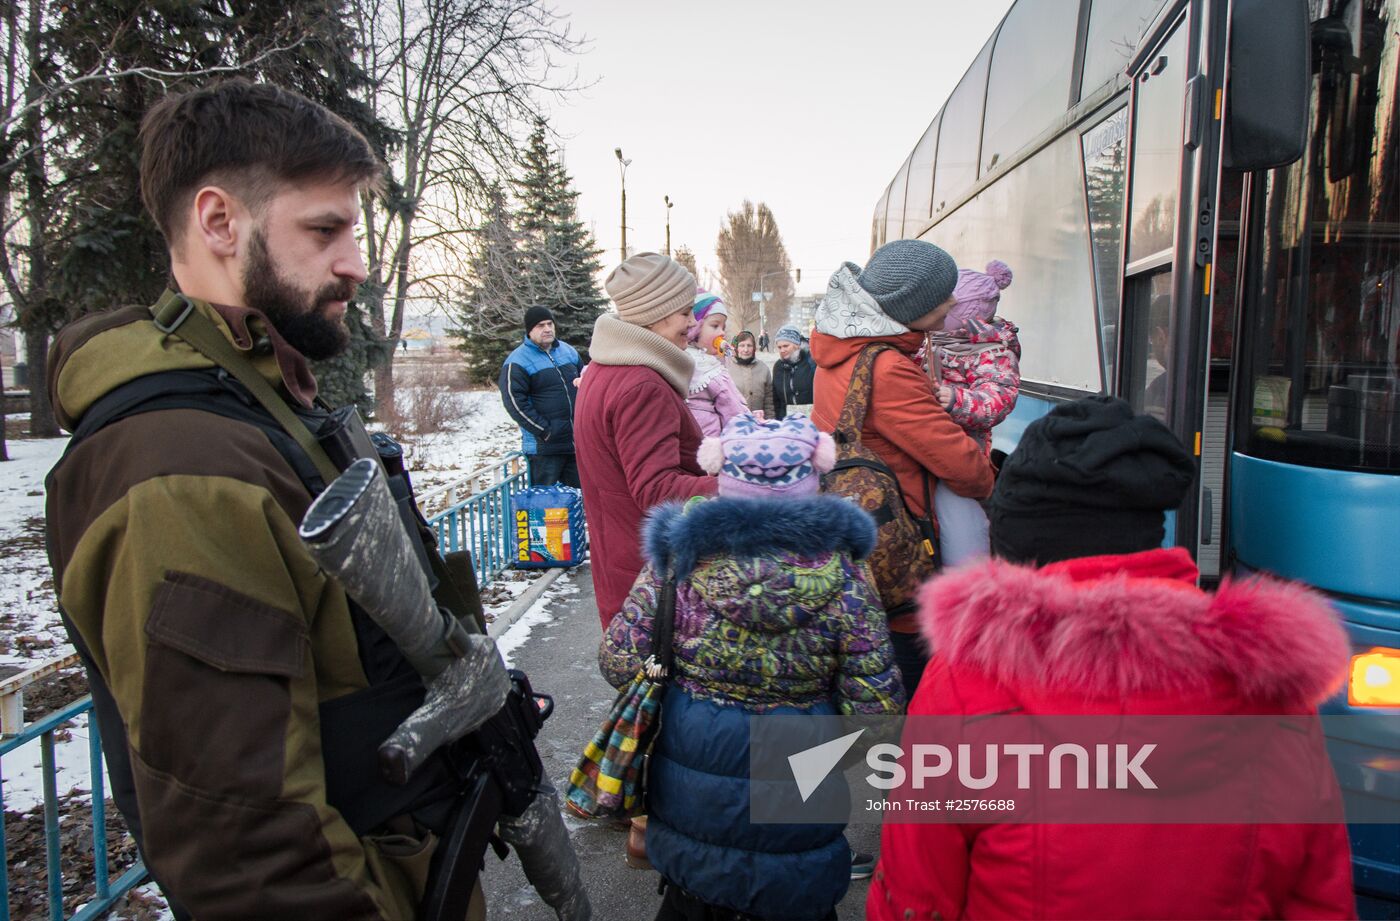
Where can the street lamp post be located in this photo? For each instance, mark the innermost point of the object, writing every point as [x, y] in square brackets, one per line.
[622, 168]
[668, 201]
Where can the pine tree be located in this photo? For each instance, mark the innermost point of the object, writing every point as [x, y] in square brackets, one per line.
[491, 314]
[341, 380]
[559, 256]
[113, 253]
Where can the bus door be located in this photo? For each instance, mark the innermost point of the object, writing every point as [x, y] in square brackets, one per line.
[1163, 348]
[1314, 480]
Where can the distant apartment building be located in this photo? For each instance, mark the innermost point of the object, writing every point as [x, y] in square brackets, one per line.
[802, 312]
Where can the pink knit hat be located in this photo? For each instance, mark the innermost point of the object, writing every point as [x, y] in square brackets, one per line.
[763, 459]
[977, 294]
[705, 305]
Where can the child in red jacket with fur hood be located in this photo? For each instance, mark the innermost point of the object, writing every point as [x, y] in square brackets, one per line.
[1083, 612]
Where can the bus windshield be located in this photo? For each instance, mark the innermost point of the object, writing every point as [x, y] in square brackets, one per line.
[1322, 343]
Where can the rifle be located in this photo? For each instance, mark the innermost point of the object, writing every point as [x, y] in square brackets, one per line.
[354, 532]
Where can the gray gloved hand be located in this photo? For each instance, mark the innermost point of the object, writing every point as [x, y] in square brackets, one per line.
[547, 855]
[466, 694]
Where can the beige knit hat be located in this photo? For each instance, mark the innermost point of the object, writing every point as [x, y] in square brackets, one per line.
[649, 287]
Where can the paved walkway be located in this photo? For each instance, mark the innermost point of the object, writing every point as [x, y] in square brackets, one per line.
[561, 658]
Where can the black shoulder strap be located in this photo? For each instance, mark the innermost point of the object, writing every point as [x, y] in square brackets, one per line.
[209, 390]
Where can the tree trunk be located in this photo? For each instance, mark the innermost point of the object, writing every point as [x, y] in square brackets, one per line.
[36, 203]
[384, 386]
[384, 373]
[4, 451]
[42, 423]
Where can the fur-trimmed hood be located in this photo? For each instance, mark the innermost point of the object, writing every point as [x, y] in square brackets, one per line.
[743, 528]
[1120, 634]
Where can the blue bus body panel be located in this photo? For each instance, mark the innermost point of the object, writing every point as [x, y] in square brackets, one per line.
[1332, 529]
[1028, 408]
[1337, 531]
[1365, 750]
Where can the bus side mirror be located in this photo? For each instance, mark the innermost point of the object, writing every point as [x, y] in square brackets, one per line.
[1270, 84]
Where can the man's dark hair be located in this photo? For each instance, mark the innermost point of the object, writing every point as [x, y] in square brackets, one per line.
[249, 137]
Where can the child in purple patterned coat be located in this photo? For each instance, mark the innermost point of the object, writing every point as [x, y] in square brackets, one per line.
[773, 614]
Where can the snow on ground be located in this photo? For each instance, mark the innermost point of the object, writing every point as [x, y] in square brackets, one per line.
[508, 587]
[29, 627]
[519, 631]
[485, 434]
[24, 780]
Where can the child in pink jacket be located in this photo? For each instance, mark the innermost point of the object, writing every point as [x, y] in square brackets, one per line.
[714, 398]
[974, 362]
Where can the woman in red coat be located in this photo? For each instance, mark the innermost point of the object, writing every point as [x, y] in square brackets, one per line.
[634, 436]
[1084, 613]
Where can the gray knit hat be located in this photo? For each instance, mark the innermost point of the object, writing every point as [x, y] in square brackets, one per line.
[789, 333]
[909, 278]
[649, 287]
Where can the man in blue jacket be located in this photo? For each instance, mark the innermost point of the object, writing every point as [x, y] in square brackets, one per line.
[538, 385]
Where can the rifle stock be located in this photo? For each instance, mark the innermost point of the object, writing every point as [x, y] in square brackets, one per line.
[355, 532]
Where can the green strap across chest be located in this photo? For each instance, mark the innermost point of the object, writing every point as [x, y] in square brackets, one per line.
[175, 315]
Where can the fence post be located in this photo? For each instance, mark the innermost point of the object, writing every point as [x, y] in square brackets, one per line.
[42, 731]
[51, 842]
[12, 714]
[99, 808]
[4, 855]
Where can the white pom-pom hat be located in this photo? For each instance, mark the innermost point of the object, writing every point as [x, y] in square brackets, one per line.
[765, 458]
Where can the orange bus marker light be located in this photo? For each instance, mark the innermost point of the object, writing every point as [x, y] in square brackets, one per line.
[1375, 679]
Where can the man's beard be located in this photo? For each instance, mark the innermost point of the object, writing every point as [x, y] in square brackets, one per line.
[299, 318]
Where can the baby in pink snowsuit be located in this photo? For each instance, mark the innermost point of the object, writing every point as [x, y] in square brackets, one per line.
[976, 357]
[975, 363]
[713, 399]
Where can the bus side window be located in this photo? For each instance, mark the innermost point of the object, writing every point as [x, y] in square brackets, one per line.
[1147, 343]
[1104, 150]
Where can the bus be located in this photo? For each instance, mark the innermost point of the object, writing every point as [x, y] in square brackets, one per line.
[1201, 202]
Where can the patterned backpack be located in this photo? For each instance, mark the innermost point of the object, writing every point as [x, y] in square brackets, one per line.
[906, 547]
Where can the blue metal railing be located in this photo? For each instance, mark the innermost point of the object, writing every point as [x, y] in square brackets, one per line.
[108, 890]
[482, 524]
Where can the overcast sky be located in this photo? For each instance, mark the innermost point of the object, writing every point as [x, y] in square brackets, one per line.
[808, 105]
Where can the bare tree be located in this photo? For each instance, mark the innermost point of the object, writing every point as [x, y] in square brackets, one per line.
[37, 87]
[459, 80]
[687, 258]
[753, 260]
